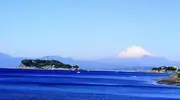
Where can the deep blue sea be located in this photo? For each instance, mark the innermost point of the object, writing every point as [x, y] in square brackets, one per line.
[16, 84]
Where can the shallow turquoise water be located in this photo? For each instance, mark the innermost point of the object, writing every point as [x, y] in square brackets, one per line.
[18, 84]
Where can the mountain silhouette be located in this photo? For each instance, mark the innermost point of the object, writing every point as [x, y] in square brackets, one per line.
[145, 62]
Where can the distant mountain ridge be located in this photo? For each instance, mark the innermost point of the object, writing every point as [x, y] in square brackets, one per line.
[7, 61]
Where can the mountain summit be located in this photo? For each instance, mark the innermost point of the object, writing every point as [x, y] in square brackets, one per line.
[133, 52]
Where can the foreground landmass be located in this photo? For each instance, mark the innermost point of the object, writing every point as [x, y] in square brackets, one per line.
[172, 80]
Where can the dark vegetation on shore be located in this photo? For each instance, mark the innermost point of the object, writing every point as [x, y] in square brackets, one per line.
[165, 69]
[47, 63]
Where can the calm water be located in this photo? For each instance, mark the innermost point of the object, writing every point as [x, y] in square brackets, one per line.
[67, 85]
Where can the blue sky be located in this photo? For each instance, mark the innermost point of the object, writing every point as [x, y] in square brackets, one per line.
[88, 29]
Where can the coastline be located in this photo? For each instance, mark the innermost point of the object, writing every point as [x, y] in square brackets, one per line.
[171, 80]
[87, 70]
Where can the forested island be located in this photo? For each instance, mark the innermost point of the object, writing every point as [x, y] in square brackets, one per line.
[164, 69]
[46, 64]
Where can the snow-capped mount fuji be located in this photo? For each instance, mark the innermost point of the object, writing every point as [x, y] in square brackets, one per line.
[137, 56]
[133, 52]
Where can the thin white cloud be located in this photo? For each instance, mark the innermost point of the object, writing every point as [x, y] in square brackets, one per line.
[134, 52]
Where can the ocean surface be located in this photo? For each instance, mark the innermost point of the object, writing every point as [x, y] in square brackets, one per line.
[16, 84]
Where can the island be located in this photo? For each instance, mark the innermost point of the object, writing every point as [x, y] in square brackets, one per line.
[46, 64]
[165, 69]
